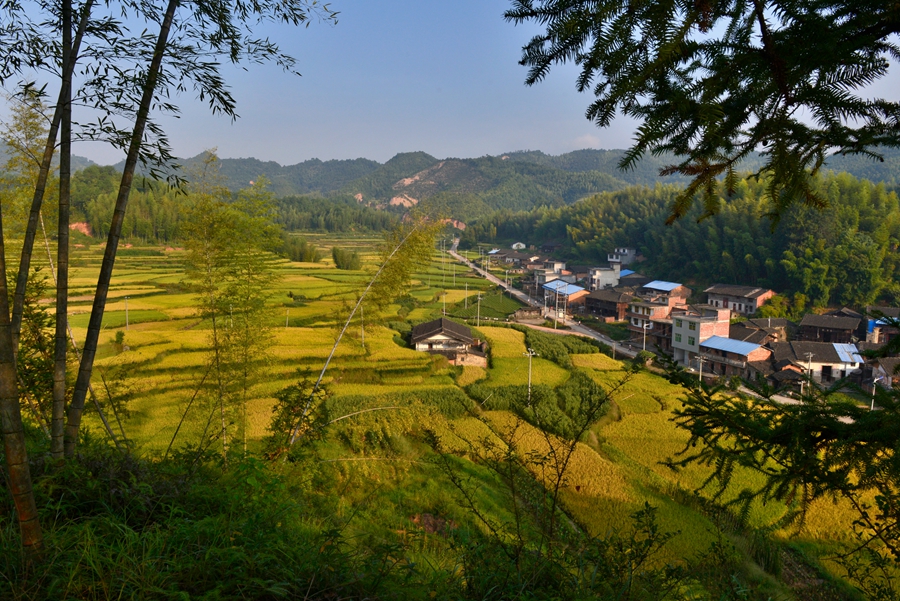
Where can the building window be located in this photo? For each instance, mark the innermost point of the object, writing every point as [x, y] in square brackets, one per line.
[677, 337]
[678, 325]
[692, 325]
[692, 341]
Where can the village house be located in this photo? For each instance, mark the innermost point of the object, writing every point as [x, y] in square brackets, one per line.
[763, 330]
[824, 362]
[740, 299]
[604, 277]
[610, 304]
[694, 325]
[563, 297]
[450, 339]
[622, 256]
[726, 357]
[829, 328]
[881, 325]
[649, 314]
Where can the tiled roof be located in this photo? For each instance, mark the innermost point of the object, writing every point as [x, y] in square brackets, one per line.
[798, 352]
[734, 290]
[611, 295]
[829, 321]
[441, 326]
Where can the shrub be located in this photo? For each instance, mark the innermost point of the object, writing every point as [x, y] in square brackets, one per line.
[346, 259]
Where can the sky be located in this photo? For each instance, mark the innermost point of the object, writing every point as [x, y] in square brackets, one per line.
[439, 76]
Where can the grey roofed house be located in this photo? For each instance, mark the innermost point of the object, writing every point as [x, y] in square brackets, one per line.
[829, 328]
[735, 290]
[441, 327]
[796, 352]
[829, 321]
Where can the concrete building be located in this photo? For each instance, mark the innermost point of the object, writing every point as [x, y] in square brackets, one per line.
[622, 256]
[604, 277]
[692, 326]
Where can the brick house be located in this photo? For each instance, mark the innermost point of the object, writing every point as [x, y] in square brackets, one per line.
[695, 325]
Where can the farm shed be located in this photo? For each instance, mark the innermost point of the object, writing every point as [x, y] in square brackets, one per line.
[450, 339]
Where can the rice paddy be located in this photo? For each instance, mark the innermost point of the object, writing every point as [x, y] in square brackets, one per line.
[165, 360]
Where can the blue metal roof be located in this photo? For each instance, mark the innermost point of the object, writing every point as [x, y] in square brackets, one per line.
[848, 353]
[738, 347]
[562, 287]
[625, 272]
[661, 285]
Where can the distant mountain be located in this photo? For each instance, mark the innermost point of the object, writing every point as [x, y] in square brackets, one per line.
[78, 162]
[468, 188]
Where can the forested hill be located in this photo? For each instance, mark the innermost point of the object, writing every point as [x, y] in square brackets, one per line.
[467, 188]
[846, 254]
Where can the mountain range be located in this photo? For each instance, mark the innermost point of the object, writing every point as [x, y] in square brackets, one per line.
[470, 187]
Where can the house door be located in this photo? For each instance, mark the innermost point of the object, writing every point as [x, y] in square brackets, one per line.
[826, 373]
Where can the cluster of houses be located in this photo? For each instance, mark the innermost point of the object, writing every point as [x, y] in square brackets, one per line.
[702, 337]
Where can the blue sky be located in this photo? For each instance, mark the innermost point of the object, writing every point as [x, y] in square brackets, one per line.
[441, 76]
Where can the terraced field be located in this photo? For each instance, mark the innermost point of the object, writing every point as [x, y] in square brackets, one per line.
[164, 367]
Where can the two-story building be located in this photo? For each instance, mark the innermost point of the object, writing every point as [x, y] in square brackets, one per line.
[609, 303]
[824, 362]
[649, 314]
[740, 299]
[726, 357]
[829, 328]
[604, 277]
[622, 256]
[695, 325]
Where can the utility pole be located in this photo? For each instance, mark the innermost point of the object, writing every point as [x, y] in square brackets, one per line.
[530, 354]
[556, 308]
[644, 347]
[126, 312]
[467, 295]
[362, 324]
[478, 320]
[874, 380]
[700, 360]
[287, 317]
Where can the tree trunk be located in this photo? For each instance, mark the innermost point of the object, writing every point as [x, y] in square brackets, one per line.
[76, 407]
[57, 422]
[11, 424]
[41, 184]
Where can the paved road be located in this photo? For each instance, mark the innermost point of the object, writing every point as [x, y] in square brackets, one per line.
[575, 328]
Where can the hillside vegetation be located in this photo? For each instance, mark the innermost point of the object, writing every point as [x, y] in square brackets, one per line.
[842, 255]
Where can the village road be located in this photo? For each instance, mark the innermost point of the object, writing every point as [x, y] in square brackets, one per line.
[576, 329]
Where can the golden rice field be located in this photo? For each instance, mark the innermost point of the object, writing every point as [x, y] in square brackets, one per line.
[167, 357]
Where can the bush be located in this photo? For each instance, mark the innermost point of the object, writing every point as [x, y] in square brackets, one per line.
[346, 259]
[298, 249]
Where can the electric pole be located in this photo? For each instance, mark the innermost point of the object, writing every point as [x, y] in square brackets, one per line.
[478, 320]
[530, 354]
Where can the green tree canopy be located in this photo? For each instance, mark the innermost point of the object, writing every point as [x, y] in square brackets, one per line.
[716, 80]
